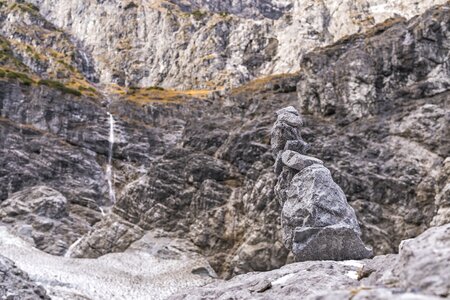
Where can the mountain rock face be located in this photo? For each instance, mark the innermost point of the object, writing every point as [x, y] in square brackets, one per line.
[442, 205]
[366, 75]
[198, 164]
[317, 222]
[209, 44]
[41, 214]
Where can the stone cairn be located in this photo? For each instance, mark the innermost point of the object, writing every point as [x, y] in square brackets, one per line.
[317, 221]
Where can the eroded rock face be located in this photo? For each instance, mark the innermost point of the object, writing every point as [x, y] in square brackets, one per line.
[111, 234]
[424, 264]
[317, 222]
[39, 200]
[41, 216]
[443, 196]
[383, 87]
[365, 75]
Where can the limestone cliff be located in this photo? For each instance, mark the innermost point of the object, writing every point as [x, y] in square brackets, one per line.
[211, 44]
[198, 163]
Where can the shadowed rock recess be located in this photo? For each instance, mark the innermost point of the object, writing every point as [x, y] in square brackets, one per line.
[192, 88]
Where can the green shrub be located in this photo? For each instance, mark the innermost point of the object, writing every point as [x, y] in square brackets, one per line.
[32, 7]
[28, 7]
[132, 90]
[16, 75]
[59, 86]
[70, 67]
[155, 88]
[198, 15]
[90, 89]
[4, 45]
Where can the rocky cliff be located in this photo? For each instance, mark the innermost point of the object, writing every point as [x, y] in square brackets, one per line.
[197, 163]
[211, 44]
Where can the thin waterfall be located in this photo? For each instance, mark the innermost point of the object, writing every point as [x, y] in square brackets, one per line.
[109, 169]
[70, 250]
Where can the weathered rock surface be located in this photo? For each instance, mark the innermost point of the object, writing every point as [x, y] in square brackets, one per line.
[420, 271]
[111, 234]
[41, 215]
[365, 75]
[16, 284]
[61, 141]
[423, 264]
[317, 221]
[443, 196]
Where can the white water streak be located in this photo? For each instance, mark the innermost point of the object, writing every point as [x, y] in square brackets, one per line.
[109, 169]
[70, 250]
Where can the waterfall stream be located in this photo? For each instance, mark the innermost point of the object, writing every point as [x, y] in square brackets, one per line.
[72, 247]
[109, 169]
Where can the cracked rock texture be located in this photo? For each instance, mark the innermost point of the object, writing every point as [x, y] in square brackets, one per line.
[41, 215]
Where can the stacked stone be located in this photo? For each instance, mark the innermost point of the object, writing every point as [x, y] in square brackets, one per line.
[317, 221]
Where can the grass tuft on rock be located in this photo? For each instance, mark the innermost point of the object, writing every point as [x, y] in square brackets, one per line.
[155, 88]
[23, 78]
[59, 86]
[198, 15]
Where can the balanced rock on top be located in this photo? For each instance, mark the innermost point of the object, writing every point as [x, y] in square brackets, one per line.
[317, 221]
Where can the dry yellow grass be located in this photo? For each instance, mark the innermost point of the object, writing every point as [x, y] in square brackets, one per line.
[260, 83]
[144, 96]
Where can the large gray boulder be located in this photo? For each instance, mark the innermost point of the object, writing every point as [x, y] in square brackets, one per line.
[317, 221]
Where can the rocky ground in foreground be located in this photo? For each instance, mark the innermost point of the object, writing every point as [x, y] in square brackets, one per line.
[419, 271]
[16, 284]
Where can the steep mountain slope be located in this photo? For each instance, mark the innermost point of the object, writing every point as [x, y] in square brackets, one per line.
[195, 162]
